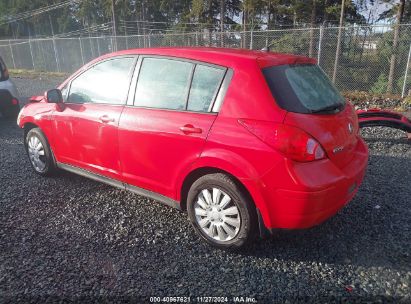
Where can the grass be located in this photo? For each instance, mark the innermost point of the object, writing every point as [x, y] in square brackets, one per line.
[34, 74]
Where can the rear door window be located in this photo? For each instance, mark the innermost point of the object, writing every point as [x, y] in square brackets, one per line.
[173, 84]
[303, 88]
[163, 83]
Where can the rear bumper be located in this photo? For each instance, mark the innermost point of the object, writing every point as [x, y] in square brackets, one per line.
[8, 100]
[317, 191]
[13, 103]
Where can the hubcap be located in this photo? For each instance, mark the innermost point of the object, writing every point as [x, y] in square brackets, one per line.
[36, 153]
[217, 215]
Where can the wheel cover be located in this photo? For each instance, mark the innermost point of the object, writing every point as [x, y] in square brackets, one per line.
[36, 153]
[217, 215]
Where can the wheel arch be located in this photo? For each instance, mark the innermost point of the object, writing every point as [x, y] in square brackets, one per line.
[201, 171]
[28, 126]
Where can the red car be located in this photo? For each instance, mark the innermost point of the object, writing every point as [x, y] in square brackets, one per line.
[244, 141]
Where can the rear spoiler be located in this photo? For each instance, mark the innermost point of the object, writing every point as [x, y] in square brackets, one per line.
[378, 117]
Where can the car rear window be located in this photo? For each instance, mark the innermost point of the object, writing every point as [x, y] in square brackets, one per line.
[303, 88]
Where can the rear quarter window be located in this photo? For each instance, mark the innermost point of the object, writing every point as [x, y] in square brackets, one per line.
[204, 87]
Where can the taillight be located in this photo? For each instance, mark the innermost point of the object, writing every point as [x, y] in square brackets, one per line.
[14, 102]
[290, 141]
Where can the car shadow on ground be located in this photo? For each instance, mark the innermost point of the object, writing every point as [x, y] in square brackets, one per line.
[366, 232]
[373, 230]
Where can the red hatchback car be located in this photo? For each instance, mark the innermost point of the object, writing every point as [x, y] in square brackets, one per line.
[244, 141]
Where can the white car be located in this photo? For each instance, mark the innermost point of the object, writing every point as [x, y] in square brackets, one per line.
[9, 102]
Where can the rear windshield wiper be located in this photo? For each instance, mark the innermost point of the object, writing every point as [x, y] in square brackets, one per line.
[331, 108]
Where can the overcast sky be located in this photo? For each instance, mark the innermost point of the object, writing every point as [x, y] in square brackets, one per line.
[376, 9]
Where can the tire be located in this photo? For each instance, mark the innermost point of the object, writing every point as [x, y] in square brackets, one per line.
[234, 225]
[42, 161]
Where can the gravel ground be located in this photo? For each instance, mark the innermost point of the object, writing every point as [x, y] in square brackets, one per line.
[68, 238]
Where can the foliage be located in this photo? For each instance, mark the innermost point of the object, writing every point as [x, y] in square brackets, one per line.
[367, 100]
[380, 86]
[174, 14]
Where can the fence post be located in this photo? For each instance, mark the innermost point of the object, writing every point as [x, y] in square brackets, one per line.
[337, 54]
[56, 55]
[98, 45]
[251, 39]
[81, 50]
[31, 53]
[320, 42]
[406, 73]
[12, 56]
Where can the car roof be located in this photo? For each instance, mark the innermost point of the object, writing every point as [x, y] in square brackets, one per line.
[224, 56]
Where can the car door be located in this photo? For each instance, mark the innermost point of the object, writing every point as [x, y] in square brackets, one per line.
[163, 129]
[87, 124]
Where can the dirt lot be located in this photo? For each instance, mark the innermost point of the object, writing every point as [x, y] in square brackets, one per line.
[69, 238]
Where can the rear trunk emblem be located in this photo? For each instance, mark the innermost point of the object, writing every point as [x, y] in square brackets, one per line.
[350, 128]
[338, 150]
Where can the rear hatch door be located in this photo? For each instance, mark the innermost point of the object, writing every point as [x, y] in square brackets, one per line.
[314, 105]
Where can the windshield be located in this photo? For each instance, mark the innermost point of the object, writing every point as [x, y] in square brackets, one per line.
[303, 88]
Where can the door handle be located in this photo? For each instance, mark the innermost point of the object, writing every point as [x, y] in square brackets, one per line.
[106, 119]
[188, 129]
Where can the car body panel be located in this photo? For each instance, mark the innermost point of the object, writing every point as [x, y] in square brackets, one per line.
[146, 148]
[9, 86]
[5, 81]
[39, 114]
[154, 149]
[9, 96]
[337, 133]
[85, 140]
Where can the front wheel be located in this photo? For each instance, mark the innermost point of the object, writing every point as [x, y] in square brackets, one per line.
[220, 212]
[39, 152]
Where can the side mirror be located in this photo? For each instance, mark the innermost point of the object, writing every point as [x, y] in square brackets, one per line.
[54, 96]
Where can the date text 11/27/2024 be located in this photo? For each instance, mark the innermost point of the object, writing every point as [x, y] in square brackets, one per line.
[237, 299]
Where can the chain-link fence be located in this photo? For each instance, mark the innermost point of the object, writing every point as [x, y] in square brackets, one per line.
[365, 61]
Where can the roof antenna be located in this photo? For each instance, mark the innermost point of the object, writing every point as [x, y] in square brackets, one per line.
[267, 48]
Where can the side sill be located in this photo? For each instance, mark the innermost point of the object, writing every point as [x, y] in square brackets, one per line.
[91, 175]
[155, 196]
[115, 183]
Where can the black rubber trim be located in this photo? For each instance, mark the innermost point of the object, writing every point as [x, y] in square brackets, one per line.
[115, 183]
[379, 114]
[386, 123]
[155, 196]
[263, 231]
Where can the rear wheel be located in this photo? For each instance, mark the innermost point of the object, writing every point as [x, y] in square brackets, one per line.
[39, 152]
[220, 212]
